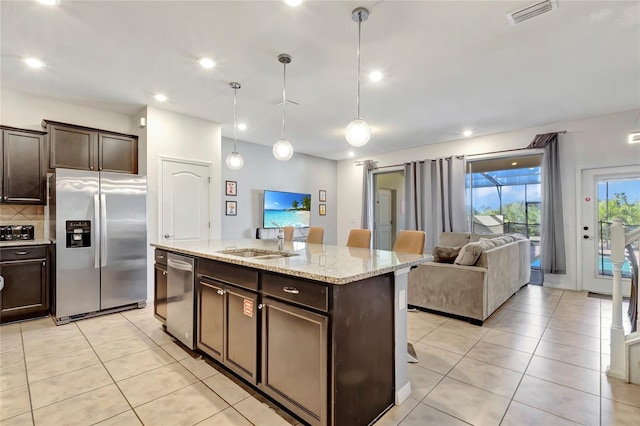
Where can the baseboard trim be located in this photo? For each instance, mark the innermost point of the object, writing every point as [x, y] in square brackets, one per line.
[403, 393]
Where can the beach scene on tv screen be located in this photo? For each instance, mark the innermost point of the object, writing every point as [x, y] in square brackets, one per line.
[286, 209]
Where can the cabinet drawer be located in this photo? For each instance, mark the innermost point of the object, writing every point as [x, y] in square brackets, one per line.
[306, 293]
[23, 253]
[237, 275]
[161, 257]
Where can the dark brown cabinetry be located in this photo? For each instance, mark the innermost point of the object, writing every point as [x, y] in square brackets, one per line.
[25, 270]
[325, 352]
[84, 148]
[227, 316]
[160, 283]
[22, 166]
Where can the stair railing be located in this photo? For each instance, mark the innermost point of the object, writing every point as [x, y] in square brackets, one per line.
[618, 367]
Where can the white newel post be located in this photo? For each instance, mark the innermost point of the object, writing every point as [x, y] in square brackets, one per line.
[617, 365]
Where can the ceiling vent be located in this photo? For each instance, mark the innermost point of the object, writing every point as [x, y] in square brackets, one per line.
[634, 137]
[531, 11]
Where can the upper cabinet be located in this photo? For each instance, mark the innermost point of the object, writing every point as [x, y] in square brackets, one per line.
[84, 148]
[22, 169]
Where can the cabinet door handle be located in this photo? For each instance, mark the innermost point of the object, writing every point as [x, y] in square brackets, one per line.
[262, 305]
[21, 253]
[164, 272]
[160, 257]
[291, 290]
[222, 292]
[44, 264]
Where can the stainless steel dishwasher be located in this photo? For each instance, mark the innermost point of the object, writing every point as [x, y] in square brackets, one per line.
[180, 298]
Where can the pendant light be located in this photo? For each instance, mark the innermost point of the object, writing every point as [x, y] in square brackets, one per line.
[235, 160]
[358, 131]
[282, 149]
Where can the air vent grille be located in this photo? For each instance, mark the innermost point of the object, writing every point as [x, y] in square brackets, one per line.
[634, 137]
[531, 11]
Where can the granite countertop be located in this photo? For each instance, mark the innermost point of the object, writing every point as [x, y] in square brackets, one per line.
[320, 262]
[16, 243]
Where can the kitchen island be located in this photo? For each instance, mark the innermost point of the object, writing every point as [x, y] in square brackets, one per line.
[321, 329]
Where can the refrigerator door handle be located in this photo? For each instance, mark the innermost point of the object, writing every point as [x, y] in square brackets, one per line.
[103, 230]
[96, 233]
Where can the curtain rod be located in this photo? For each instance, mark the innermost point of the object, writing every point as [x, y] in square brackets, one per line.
[360, 163]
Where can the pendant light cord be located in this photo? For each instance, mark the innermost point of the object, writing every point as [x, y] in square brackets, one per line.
[235, 125]
[358, 54]
[284, 97]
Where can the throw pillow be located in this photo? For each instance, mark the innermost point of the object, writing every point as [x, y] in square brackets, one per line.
[445, 254]
[469, 253]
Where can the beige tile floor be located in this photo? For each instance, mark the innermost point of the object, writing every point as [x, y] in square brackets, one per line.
[539, 360]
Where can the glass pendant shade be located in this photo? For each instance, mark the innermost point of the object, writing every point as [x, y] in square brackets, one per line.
[235, 161]
[282, 150]
[358, 132]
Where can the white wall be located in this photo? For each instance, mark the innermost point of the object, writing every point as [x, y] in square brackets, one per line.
[591, 142]
[303, 173]
[169, 134]
[27, 112]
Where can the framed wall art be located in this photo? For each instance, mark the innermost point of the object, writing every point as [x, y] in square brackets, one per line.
[231, 208]
[231, 188]
[323, 209]
[323, 196]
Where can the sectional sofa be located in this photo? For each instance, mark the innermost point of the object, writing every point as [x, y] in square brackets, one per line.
[472, 275]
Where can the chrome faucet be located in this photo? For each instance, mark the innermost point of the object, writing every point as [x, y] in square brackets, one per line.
[280, 236]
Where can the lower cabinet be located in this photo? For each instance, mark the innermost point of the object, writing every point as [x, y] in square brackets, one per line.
[228, 326]
[25, 270]
[294, 359]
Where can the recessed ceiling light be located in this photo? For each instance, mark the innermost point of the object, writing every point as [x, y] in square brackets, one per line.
[293, 3]
[206, 62]
[467, 133]
[49, 2]
[351, 153]
[375, 76]
[242, 126]
[34, 63]
[160, 97]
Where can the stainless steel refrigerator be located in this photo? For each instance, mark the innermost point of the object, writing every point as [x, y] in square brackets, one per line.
[99, 227]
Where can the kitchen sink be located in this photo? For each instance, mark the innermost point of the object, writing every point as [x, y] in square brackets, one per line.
[258, 253]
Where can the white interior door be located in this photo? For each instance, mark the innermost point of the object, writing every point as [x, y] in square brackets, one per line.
[595, 245]
[184, 201]
[384, 220]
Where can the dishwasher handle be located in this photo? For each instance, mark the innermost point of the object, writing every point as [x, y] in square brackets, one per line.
[180, 265]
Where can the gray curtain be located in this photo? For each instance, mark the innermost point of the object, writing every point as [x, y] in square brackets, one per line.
[554, 259]
[434, 197]
[367, 194]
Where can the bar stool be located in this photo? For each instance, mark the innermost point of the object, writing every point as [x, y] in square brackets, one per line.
[315, 235]
[359, 238]
[411, 242]
[288, 233]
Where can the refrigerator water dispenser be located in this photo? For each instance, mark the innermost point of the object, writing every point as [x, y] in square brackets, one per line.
[78, 233]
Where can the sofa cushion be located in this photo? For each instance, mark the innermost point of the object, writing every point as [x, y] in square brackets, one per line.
[473, 238]
[445, 254]
[470, 253]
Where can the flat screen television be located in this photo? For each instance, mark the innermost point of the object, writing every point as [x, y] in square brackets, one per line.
[286, 209]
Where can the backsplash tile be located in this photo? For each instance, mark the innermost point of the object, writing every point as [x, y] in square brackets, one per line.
[17, 214]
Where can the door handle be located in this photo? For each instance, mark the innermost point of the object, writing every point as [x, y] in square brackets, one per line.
[96, 232]
[103, 225]
[182, 266]
[168, 236]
